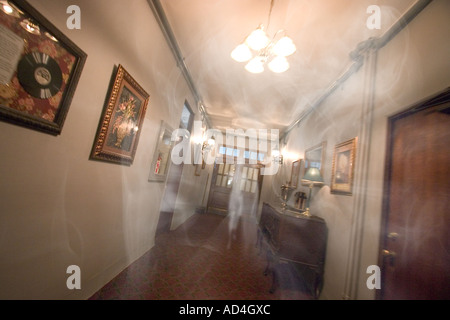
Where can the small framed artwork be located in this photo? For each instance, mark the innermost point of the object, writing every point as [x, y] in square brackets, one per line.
[40, 69]
[161, 157]
[121, 122]
[295, 173]
[343, 167]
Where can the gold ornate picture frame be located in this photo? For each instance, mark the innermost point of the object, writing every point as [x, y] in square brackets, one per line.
[343, 167]
[40, 69]
[121, 122]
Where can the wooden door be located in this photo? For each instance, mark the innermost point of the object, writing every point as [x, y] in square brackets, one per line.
[235, 187]
[173, 179]
[415, 244]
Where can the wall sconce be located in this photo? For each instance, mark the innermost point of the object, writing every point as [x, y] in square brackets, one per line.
[312, 178]
[208, 144]
[277, 156]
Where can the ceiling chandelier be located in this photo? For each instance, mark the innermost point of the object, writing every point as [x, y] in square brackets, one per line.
[258, 50]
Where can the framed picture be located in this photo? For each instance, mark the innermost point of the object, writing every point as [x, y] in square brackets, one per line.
[315, 157]
[161, 157]
[295, 173]
[40, 69]
[121, 122]
[343, 167]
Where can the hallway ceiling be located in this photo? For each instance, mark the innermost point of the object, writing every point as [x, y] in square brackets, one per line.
[324, 32]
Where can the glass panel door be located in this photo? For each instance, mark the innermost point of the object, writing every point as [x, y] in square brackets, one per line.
[249, 179]
[225, 175]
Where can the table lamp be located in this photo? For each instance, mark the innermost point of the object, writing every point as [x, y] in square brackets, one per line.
[312, 178]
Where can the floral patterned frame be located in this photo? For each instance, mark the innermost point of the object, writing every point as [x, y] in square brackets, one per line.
[43, 111]
[121, 122]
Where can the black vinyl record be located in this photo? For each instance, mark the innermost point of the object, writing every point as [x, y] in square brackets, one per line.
[40, 75]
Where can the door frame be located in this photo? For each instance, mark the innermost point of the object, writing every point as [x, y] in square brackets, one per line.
[427, 103]
[227, 159]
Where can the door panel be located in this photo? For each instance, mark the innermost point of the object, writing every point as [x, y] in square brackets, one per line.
[415, 248]
[235, 187]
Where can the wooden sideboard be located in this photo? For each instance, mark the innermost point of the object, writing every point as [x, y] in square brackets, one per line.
[295, 240]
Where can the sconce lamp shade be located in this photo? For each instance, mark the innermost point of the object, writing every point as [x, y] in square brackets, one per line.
[313, 177]
[211, 142]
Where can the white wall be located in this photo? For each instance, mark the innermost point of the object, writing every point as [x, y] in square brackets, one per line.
[58, 208]
[413, 65]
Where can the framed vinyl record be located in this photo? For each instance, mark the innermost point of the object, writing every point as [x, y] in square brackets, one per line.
[40, 69]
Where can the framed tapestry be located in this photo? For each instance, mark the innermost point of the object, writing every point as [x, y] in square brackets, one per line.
[121, 122]
[343, 167]
[40, 69]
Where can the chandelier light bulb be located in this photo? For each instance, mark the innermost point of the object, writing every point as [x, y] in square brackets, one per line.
[257, 40]
[255, 65]
[241, 53]
[284, 47]
[7, 9]
[279, 64]
[263, 50]
[30, 27]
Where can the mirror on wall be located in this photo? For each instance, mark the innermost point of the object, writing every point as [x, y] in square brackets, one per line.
[314, 157]
[295, 173]
[161, 157]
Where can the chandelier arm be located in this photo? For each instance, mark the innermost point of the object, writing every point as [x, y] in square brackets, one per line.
[276, 34]
[270, 13]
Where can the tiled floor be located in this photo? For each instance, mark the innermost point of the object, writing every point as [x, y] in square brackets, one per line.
[204, 259]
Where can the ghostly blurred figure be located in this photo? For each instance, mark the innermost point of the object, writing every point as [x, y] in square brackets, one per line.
[234, 208]
[242, 205]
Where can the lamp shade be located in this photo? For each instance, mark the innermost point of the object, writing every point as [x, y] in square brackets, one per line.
[313, 176]
[258, 39]
[279, 64]
[241, 53]
[256, 65]
[284, 47]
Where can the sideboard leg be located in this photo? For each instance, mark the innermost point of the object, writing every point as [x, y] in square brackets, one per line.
[267, 269]
[274, 281]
